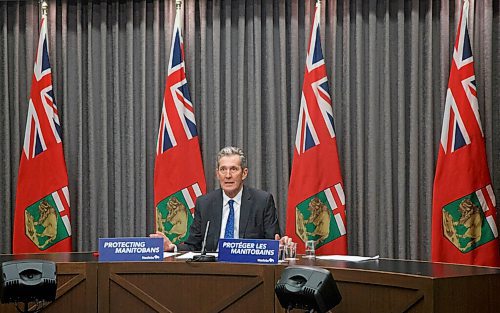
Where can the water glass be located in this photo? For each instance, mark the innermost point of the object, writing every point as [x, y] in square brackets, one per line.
[310, 249]
[291, 250]
[281, 253]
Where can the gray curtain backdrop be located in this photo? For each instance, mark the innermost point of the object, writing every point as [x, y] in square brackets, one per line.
[388, 65]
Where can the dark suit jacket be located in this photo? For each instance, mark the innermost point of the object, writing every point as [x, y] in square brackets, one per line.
[258, 218]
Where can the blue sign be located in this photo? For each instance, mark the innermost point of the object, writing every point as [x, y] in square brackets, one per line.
[130, 249]
[248, 250]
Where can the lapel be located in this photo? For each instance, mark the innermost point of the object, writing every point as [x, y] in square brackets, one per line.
[215, 219]
[246, 206]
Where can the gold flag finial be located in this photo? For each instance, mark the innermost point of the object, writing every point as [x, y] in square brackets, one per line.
[44, 7]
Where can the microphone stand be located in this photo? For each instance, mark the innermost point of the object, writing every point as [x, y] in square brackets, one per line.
[204, 257]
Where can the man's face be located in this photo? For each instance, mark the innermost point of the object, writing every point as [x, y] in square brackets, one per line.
[231, 175]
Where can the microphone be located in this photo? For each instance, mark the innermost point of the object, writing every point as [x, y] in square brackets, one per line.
[203, 257]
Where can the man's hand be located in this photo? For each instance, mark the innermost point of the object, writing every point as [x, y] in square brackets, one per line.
[284, 240]
[168, 246]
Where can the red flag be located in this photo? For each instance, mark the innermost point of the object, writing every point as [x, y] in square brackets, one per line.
[42, 216]
[316, 200]
[179, 177]
[464, 229]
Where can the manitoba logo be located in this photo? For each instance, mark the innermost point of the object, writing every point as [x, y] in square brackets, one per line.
[47, 221]
[316, 218]
[468, 222]
[174, 213]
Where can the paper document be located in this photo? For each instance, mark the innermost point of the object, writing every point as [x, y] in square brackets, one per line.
[169, 254]
[352, 258]
[190, 255]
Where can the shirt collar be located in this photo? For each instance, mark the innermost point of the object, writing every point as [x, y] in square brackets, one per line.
[237, 198]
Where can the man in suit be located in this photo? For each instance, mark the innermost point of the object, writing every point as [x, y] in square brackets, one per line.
[234, 210]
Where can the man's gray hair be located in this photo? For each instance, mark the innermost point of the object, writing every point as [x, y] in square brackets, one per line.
[228, 151]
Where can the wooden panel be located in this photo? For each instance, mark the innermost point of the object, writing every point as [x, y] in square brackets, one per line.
[468, 294]
[76, 289]
[186, 287]
[381, 292]
[410, 286]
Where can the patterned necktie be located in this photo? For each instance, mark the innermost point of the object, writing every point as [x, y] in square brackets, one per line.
[229, 232]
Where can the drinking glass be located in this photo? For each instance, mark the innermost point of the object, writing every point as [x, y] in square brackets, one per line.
[310, 249]
[281, 253]
[290, 250]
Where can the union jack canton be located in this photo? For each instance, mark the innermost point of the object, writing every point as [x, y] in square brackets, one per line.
[35, 141]
[178, 120]
[315, 115]
[461, 111]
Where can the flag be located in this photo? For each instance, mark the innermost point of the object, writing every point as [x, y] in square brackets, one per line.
[316, 199]
[179, 178]
[464, 229]
[42, 214]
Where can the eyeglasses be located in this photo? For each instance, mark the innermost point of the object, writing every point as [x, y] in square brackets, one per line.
[232, 169]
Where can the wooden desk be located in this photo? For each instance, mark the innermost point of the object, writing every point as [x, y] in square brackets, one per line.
[175, 286]
[84, 285]
[76, 282]
[401, 286]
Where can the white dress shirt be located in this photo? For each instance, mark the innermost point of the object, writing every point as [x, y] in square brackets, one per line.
[225, 213]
